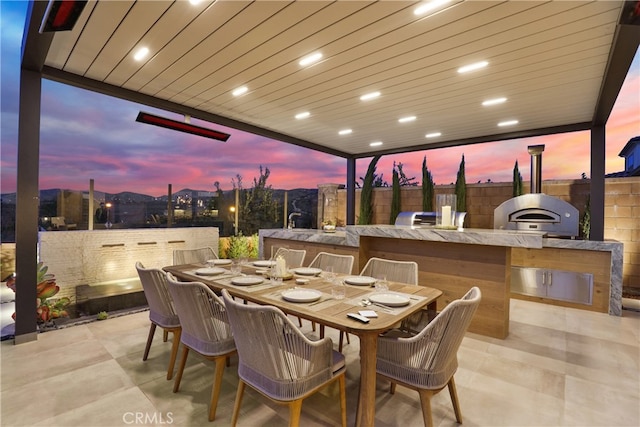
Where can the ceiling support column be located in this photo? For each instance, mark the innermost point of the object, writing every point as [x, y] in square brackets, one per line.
[351, 191]
[27, 205]
[596, 201]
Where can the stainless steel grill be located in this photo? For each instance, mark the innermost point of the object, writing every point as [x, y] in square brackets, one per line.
[537, 211]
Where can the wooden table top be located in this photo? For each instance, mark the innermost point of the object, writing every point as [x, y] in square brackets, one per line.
[328, 310]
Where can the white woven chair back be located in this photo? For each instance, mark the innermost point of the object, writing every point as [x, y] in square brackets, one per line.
[193, 256]
[205, 326]
[342, 264]
[396, 271]
[154, 284]
[429, 359]
[274, 356]
[293, 257]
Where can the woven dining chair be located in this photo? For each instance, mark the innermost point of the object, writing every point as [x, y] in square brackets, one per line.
[293, 257]
[205, 330]
[395, 271]
[161, 311]
[278, 361]
[342, 264]
[427, 361]
[193, 256]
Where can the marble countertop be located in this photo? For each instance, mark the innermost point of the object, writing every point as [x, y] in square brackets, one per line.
[350, 236]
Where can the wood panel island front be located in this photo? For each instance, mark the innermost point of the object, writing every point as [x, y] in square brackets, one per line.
[454, 261]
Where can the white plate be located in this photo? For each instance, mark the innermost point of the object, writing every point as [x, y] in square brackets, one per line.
[301, 295]
[302, 281]
[219, 261]
[390, 299]
[306, 271]
[264, 263]
[213, 271]
[247, 280]
[360, 280]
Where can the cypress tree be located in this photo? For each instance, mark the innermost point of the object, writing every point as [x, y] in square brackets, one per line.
[366, 206]
[517, 181]
[461, 189]
[395, 198]
[427, 187]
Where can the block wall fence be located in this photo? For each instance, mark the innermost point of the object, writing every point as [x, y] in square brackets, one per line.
[622, 209]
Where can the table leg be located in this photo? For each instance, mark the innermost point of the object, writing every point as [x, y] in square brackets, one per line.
[366, 411]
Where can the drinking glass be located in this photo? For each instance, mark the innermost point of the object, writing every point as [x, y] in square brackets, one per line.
[338, 290]
[329, 274]
[381, 283]
[236, 267]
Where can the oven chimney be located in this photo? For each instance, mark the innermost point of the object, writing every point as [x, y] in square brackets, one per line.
[536, 167]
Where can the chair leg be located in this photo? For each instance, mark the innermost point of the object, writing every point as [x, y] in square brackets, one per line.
[392, 388]
[313, 326]
[341, 340]
[152, 330]
[217, 382]
[425, 401]
[236, 406]
[343, 400]
[295, 408]
[300, 322]
[183, 362]
[454, 399]
[174, 351]
[165, 336]
[321, 331]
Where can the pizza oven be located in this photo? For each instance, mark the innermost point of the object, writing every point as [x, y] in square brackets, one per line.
[537, 211]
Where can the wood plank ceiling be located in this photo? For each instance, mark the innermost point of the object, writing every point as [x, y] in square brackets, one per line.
[548, 59]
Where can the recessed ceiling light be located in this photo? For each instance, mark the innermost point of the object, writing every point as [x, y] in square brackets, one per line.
[376, 144]
[508, 123]
[195, 2]
[345, 132]
[303, 115]
[429, 6]
[369, 96]
[406, 119]
[433, 135]
[473, 67]
[494, 101]
[310, 59]
[141, 53]
[240, 91]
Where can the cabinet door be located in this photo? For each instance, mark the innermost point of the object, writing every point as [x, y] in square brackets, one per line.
[569, 286]
[528, 281]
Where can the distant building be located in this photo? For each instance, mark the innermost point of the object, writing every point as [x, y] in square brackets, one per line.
[631, 154]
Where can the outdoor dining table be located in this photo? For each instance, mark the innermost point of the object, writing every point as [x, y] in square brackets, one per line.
[327, 311]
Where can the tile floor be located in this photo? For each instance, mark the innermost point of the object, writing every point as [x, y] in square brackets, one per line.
[558, 367]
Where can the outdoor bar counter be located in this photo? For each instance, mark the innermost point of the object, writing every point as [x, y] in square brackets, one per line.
[453, 261]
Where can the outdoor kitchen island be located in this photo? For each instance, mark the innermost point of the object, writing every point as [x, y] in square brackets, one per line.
[452, 261]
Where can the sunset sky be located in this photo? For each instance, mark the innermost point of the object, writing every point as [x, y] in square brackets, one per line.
[85, 135]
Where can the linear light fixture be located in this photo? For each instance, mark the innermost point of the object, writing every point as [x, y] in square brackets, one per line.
[310, 59]
[345, 132]
[61, 15]
[494, 101]
[473, 67]
[376, 144]
[429, 6]
[240, 91]
[303, 115]
[508, 123]
[433, 135]
[181, 126]
[406, 119]
[369, 96]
